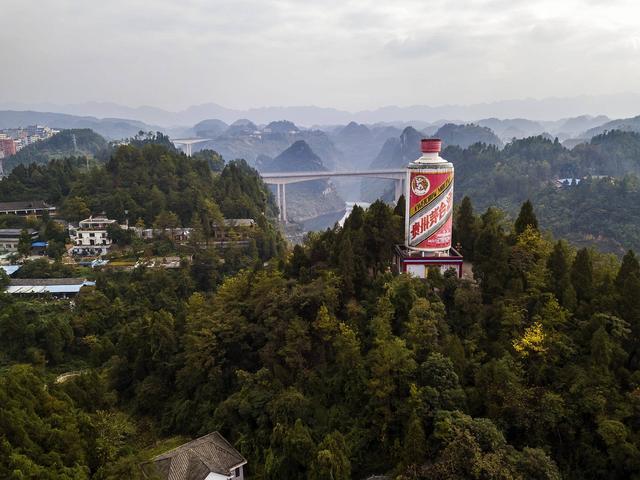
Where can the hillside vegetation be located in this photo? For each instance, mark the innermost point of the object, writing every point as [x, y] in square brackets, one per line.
[327, 365]
[597, 211]
[67, 143]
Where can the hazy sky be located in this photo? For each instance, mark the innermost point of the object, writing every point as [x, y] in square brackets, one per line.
[339, 53]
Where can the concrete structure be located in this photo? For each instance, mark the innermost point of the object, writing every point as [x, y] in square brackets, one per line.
[428, 216]
[178, 234]
[7, 146]
[90, 237]
[58, 287]
[281, 179]
[207, 458]
[418, 264]
[35, 208]
[10, 237]
[188, 143]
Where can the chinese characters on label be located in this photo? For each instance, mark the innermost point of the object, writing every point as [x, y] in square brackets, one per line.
[433, 217]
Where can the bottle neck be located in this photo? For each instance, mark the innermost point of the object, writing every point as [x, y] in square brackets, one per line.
[430, 157]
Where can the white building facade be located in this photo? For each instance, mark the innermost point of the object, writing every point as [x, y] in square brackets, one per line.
[90, 237]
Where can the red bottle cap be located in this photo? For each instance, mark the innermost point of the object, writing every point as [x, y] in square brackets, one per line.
[430, 145]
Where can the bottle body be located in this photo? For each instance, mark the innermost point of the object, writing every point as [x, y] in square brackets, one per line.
[429, 204]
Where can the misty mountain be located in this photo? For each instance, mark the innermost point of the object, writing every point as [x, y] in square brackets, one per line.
[616, 105]
[307, 199]
[576, 125]
[281, 126]
[624, 124]
[241, 127]
[110, 128]
[243, 139]
[396, 152]
[299, 157]
[209, 128]
[359, 144]
[466, 135]
[510, 128]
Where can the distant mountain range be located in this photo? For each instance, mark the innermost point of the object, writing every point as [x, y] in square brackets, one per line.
[624, 124]
[547, 109]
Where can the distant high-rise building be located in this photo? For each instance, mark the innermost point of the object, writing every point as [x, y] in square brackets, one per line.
[7, 146]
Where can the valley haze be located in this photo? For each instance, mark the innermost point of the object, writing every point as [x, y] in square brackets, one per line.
[615, 106]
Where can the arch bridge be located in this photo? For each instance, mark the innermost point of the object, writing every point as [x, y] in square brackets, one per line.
[281, 179]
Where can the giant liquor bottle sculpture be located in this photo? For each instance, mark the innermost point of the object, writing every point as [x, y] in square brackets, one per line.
[428, 214]
[429, 200]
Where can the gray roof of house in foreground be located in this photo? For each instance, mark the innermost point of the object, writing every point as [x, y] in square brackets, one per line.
[16, 232]
[23, 282]
[28, 205]
[46, 285]
[196, 459]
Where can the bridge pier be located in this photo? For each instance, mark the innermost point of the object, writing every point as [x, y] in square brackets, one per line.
[284, 204]
[399, 189]
[188, 143]
[281, 200]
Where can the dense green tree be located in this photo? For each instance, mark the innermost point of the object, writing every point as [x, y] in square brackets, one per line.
[582, 275]
[332, 459]
[465, 227]
[559, 265]
[526, 218]
[24, 243]
[491, 252]
[629, 267]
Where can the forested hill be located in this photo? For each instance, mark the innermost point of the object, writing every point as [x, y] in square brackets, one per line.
[596, 211]
[67, 143]
[466, 135]
[327, 366]
[151, 184]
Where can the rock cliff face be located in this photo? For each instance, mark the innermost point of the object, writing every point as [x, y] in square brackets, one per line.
[396, 152]
[309, 199]
[299, 157]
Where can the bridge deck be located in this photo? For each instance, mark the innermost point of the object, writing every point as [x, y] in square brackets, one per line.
[292, 177]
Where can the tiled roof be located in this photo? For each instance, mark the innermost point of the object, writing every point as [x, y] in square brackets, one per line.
[22, 282]
[16, 232]
[29, 205]
[196, 459]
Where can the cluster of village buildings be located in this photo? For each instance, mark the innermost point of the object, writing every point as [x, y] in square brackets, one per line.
[12, 140]
[91, 238]
[91, 241]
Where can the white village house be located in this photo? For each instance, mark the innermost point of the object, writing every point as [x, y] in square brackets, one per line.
[90, 237]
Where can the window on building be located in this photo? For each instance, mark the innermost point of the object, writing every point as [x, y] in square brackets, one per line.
[237, 472]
